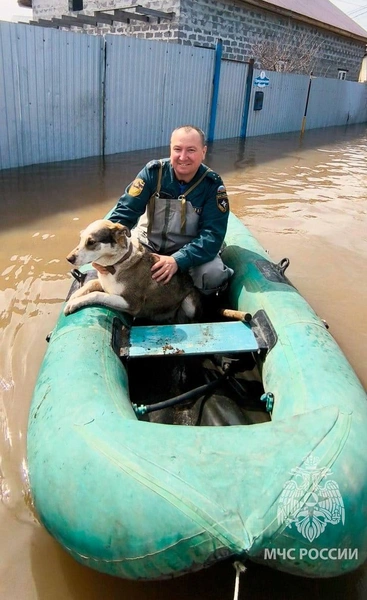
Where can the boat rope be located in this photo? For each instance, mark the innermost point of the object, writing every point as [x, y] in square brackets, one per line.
[240, 568]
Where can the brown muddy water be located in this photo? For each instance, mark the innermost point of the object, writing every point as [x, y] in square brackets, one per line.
[303, 199]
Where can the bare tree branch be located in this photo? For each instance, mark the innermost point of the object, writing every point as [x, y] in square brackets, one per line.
[291, 52]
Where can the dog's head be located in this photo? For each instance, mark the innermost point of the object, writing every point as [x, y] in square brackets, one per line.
[102, 242]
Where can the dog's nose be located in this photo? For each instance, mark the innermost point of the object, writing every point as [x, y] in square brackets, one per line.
[71, 258]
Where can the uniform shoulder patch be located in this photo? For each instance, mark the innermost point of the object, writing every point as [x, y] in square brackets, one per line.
[154, 164]
[213, 176]
[136, 187]
[222, 199]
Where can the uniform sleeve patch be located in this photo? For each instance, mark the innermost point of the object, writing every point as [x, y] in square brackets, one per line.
[136, 187]
[222, 199]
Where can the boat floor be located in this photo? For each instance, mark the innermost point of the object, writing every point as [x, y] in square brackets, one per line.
[236, 400]
[159, 378]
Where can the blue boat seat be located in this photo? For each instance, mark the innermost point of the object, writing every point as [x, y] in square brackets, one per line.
[190, 339]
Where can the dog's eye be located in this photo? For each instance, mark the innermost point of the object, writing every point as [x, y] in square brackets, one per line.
[90, 242]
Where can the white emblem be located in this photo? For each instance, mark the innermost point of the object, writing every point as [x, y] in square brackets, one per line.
[310, 502]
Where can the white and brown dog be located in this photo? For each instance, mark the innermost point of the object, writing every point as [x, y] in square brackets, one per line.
[125, 280]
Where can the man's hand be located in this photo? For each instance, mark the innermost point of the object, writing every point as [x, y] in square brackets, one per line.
[164, 268]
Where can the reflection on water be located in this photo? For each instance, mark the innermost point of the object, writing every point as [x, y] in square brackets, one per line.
[302, 198]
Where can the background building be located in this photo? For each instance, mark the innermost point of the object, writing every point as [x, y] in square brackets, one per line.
[285, 35]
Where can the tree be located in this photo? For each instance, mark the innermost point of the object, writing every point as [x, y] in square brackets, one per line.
[293, 52]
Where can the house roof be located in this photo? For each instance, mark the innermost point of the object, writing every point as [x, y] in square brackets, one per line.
[323, 11]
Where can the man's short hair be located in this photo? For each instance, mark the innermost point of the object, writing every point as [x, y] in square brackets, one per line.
[188, 128]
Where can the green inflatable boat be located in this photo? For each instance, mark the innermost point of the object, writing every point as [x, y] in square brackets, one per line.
[154, 451]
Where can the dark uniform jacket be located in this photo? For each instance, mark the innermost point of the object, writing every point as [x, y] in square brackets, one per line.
[186, 221]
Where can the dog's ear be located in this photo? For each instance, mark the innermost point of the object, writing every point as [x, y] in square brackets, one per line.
[119, 230]
[126, 231]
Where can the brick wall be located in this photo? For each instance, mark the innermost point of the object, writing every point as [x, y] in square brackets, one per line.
[46, 9]
[202, 22]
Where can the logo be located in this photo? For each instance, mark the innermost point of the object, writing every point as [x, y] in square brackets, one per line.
[136, 187]
[262, 80]
[222, 199]
[311, 554]
[309, 501]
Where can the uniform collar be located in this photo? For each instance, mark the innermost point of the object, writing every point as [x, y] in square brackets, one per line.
[185, 184]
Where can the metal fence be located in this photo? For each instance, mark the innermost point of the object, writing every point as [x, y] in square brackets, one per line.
[50, 95]
[232, 85]
[332, 102]
[151, 88]
[65, 95]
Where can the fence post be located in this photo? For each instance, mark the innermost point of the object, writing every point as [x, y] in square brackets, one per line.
[103, 95]
[216, 79]
[306, 107]
[246, 108]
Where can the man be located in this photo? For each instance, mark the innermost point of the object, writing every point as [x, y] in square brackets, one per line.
[180, 209]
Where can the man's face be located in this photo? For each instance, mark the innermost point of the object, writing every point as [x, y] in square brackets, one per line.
[187, 153]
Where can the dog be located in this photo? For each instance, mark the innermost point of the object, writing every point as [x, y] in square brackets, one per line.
[125, 280]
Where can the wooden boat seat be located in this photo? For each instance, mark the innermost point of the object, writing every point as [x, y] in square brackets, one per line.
[190, 339]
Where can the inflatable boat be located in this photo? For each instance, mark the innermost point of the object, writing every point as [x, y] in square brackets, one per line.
[158, 450]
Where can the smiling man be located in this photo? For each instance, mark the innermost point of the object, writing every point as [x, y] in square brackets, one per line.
[179, 209]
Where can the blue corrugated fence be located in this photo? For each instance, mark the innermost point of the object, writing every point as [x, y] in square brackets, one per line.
[64, 95]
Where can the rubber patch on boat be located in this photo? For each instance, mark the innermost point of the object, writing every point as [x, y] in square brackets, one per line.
[263, 331]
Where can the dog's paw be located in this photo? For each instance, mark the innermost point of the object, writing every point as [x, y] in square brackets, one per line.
[70, 308]
[76, 294]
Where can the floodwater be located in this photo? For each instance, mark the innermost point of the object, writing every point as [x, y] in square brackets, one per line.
[303, 199]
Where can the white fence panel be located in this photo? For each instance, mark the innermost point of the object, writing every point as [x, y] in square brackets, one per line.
[188, 88]
[336, 102]
[231, 99]
[283, 104]
[151, 88]
[64, 95]
[50, 95]
[331, 103]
